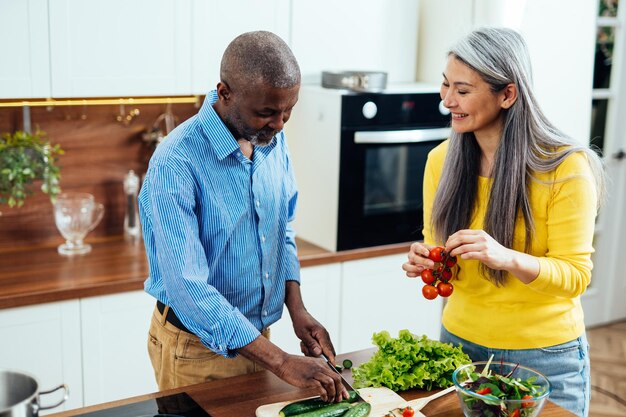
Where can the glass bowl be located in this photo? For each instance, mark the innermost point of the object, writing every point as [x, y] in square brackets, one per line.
[474, 404]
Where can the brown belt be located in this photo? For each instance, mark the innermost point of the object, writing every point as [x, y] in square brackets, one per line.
[171, 317]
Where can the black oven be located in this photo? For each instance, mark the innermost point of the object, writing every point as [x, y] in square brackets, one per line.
[359, 160]
[382, 166]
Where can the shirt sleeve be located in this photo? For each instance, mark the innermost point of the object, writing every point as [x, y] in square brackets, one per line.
[183, 264]
[431, 177]
[292, 263]
[565, 270]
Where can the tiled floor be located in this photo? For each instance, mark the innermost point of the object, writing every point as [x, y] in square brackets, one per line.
[608, 370]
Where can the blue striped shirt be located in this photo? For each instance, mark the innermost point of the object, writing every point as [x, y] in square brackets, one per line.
[216, 230]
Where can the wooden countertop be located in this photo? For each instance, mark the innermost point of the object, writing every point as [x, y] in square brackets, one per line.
[38, 274]
[241, 396]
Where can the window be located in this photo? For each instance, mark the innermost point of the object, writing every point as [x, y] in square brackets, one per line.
[608, 26]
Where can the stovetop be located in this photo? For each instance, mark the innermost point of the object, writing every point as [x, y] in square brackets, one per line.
[178, 405]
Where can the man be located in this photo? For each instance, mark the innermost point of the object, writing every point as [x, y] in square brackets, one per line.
[215, 208]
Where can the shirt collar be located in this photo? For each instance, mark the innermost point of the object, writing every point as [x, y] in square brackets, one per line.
[214, 128]
[220, 137]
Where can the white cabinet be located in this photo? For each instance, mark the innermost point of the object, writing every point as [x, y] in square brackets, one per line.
[320, 286]
[376, 295]
[216, 23]
[25, 69]
[120, 48]
[44, 341]
[376, 35]
[115, 356]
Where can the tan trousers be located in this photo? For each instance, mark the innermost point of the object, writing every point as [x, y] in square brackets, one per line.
[180, 359]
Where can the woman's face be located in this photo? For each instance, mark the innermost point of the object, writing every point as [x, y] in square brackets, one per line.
[472, 104]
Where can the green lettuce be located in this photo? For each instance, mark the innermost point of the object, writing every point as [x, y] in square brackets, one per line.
[409, 361]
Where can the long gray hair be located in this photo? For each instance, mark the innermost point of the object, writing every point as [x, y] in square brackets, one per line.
[529, 144]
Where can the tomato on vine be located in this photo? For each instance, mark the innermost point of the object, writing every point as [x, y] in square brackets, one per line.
[427, 276]
[436, 254]
[430, 292]
[444, 289]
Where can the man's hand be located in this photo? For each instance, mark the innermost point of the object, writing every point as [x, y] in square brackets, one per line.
[314, 338]
[301, 371]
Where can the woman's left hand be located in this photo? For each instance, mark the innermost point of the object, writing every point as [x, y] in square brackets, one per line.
[480, 246]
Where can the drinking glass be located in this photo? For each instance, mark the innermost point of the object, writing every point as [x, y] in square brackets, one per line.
[75, 215]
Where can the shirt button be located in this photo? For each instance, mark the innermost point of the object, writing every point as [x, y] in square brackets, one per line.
[262, 238]
[238, 153]
[258, 203]
[265, 313]
[267, 275]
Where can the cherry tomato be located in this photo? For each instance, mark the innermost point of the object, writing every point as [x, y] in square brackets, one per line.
[446, 274]
[408, 412]
[484, 391]
[436, 254]
[444, 289]
[427, 276]
[451, 261]
[527, 403]
[429, 292]
[515, 413]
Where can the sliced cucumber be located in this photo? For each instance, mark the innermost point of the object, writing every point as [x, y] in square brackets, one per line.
[330, 410]
[347, 363]
[312, 404]
[359, 410]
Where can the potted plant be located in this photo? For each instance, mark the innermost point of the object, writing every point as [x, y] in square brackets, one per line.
[25, 158]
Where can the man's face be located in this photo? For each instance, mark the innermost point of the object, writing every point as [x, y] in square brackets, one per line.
[259, 113]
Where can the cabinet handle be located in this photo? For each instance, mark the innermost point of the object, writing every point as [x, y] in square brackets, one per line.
[619, 155]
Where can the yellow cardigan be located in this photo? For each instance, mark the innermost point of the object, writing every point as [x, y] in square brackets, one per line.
[547, 311]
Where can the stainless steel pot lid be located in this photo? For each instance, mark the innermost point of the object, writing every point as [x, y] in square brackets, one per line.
[362, 81]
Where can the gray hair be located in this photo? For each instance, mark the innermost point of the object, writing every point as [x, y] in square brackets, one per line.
[259, 57]
[530, 144]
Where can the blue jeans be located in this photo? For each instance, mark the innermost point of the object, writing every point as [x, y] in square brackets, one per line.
[566, 366]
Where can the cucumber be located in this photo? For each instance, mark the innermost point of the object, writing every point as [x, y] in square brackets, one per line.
[359, 410]
[347, 363]
[304, 406]
[329, 410]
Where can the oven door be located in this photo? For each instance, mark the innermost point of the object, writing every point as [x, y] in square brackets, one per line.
[380, 189]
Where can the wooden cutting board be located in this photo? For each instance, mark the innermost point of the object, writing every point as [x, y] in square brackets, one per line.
[381, 399]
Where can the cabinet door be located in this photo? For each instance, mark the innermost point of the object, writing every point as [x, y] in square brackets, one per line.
[376, 295]
[115, 335]
[25, 69]
[44, 341]
[216, 23]
[376, 35]
[320, 292]
[120, 48]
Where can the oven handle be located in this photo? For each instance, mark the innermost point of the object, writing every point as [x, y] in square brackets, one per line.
[401, 136]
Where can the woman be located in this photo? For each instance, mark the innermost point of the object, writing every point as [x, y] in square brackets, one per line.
[515, 200]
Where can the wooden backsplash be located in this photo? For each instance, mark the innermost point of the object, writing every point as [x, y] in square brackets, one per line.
[99, 151]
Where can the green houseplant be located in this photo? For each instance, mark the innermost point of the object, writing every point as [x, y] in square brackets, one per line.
[25, 158]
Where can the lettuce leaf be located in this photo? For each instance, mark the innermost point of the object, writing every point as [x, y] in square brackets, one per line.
[409, 361]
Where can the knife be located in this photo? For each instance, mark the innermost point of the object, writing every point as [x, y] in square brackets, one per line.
[343, 380]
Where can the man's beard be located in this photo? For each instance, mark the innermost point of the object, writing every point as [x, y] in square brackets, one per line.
[262, 137]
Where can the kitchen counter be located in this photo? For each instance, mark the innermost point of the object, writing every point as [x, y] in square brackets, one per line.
[38, 274]
[241, 396]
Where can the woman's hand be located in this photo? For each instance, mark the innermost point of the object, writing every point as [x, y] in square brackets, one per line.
[418, 260]
[480, 246]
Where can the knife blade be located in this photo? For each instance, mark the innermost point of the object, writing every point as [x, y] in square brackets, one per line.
[343, 380]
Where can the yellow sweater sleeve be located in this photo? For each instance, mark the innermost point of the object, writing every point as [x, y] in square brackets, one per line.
[432, 173]
[565, 269]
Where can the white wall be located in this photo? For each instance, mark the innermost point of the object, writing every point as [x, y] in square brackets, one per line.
[560, 37]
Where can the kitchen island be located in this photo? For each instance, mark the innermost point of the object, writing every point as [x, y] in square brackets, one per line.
[241, 396]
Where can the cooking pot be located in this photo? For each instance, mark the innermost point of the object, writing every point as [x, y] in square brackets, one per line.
[361, 81]
[19, 395]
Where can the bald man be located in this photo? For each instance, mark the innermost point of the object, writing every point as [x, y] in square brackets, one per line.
[216, 207]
